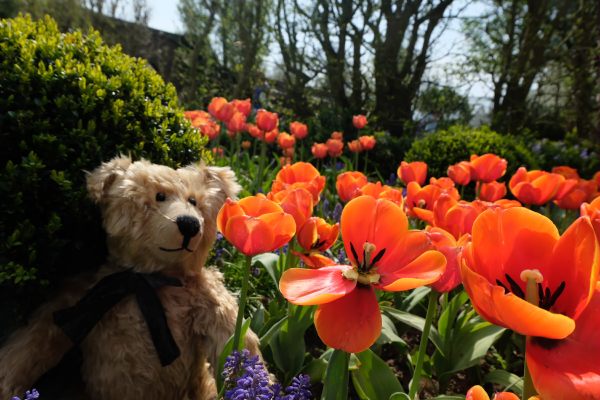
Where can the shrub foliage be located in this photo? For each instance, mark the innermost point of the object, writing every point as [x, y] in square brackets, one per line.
[457, 143]
[67, 103]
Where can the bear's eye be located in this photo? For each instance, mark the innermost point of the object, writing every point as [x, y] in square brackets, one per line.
[192, 201]
[160, 196]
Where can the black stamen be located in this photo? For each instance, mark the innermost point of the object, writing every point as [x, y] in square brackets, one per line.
[515, 288]
[378, 257]
[541, 293]
[354, 252]
[502, 284]
[365, 261]
[558, 292]
[318, 244]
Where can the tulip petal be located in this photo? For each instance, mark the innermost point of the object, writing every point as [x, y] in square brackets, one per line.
[507, 241]
[510, 311]
[282, 228]
[315, 286]
[314, 259]
[351, 323]
[569, 368]
[425, 269]
[379, 222]
[249, 235]
[258, 205]
[229, 209]
[575, 261]
[405, 250]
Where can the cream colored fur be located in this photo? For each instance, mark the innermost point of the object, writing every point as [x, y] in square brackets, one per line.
[120, 361]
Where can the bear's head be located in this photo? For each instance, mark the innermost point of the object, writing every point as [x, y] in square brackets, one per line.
[158, 218]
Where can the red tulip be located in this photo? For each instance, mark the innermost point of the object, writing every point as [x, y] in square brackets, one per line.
[243, 106]
[255, 224]
[492, 191]
[415, 171]
[285, 140]
[535, 187]
[271, 136]
[478, 393]
[299, 130]
[348, 185]
[337, 135]
[266, 121]
[297, 202]
[359, 121]
[319, 150]
[581, 192]
[237, 123]
[384, 255]
[460, 173]
[367, 142]
[334, 147]
[488, 167]
[299, 175]
[354, 146]
[515, 250]
[451, 248]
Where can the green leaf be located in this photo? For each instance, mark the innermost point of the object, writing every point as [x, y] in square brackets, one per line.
[399, 396]
[444, 397]
[416, 322]
[227, 350]
[415, 298]
[268, 261]
[446, 321]
[374, 379]
[506, 380]
[266, 338]
[389, 333]
[335, 385]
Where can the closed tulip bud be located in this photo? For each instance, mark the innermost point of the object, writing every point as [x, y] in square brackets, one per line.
[415, 171]
[359, 121]
[285, 140]
[460, 173]
[335, 147]
[319, 150]
[354, 146]
[367, 142]
[299, 130]
[266, 121]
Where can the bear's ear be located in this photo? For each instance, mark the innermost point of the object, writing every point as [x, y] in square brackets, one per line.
[100, 179]
[227, 180]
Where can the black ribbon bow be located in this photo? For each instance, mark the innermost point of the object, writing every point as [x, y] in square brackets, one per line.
[79, 320]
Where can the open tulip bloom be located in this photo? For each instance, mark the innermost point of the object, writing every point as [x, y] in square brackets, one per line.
[384, 255]
[514, 248]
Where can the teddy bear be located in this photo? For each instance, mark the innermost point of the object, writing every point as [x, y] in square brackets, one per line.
[151, 322]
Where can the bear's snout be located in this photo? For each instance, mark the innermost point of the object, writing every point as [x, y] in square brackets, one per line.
[188, 225]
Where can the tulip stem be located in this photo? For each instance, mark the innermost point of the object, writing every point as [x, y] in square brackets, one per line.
[416, 380]
[528, 388]
[532, 296]
[242, 304]
[261, 165]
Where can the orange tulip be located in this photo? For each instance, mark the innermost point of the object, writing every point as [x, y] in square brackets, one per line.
[354, 146]
[451, 248]
[348, 185]
[337, 135]
[317, 235]
[285, 140]
[420, 201]
[492, 191]
[255, 224]
[384, 255]
[266, 121]
[443, 183]
[478, 393]
[271, 136]
[289, 152]
[516, 248]
[254, 131]
[297, 202]
[569, 368]
[566, 171]
[456, 217]
[460, 173]
[415, 171]
[246, 144]
[581, 192]
[334, 147]
[221, 109]
[367, 142]
[237, 123]
[488, 167]
[191, 115]
[284, 161]
[242, 106]
[299, 130]
[592, 211]
[535, 187]
[359, 121]
[379, 191]
[597, 178]
[319, 150]
[218, 151]
[299, 175]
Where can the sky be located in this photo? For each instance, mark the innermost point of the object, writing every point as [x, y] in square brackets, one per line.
[164, 15]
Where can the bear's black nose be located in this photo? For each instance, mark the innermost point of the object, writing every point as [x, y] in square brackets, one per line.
[188, 226]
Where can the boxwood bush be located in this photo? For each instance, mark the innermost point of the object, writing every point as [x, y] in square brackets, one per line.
[444, 148]
[67, 103]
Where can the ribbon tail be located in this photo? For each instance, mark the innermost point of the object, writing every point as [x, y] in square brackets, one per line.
[154, 315]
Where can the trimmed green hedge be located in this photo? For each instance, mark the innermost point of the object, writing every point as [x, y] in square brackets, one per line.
[444, 148]
[67, 103]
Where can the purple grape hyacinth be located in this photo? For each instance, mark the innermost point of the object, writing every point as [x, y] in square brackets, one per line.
[246, 378]
[29, 395]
